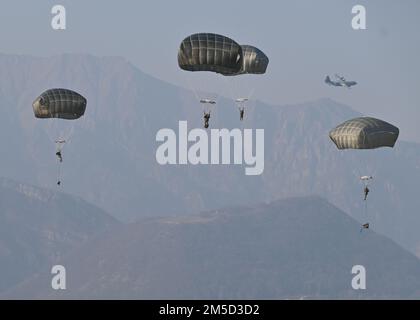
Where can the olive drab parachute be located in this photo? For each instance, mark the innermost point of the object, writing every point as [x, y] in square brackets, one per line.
[59, 103]
[364, 133]
[254, 61]
[210, 52]
[222, 55]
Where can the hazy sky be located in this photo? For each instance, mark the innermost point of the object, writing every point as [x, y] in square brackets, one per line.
[305, 40]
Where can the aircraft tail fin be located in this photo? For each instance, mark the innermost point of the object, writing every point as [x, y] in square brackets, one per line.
[328, 80]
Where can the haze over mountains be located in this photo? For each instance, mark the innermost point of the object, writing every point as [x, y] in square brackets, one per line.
[110, 159]
[299, 248]
[37, 226]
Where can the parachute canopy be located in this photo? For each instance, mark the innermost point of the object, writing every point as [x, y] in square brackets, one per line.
[254, 60]
[59, 103]
[364, 133]
[210, 52]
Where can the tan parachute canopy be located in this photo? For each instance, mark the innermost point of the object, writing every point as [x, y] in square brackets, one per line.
[364, 133]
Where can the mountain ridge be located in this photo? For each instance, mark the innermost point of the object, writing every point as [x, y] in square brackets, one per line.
[38, 225]
[111, 163]
[238, 253]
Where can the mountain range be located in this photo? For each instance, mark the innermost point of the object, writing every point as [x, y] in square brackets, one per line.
[38, 226]
[297, 248]
[109, 159]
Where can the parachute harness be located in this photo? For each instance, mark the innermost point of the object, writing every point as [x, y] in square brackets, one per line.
[207, 107]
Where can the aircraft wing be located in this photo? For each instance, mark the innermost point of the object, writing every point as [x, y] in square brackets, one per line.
[332, 83]
[208, 101]
[340, 77]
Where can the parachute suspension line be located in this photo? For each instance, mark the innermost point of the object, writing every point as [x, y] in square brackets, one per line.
[197, 97]
[214, 96]
[229, 81]
[207, 108]
[366, 183]
[59, 174]
[217, 98]
[240, 89]
[237, 94]
[367, 174]
[245, 103]
[374, 171]
[366, 211]
[236, 91]
[69, 134]
[191, 87]
[55, 104]
[364, 214]
[355, 172]
[200, 52]
[251, 93]
[360, 165]
[232, 92]
[216, 114]
[59, 148]
[388, 137]
[64, 134]
[366, 223]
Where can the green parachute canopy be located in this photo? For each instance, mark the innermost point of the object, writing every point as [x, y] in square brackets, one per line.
[254, 60]
[59, 103]
[210, 52]
[364, 133]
